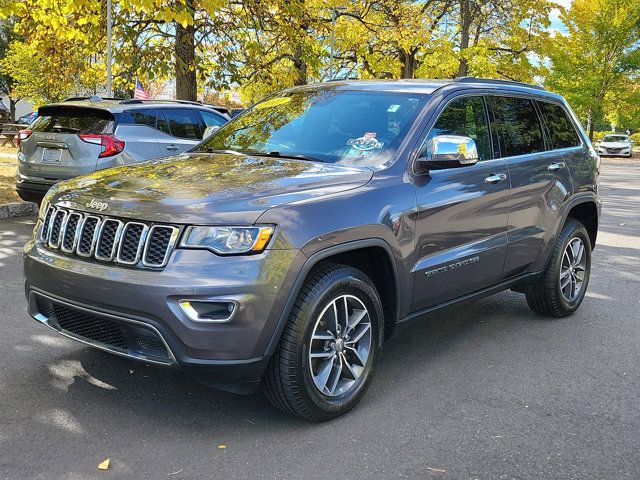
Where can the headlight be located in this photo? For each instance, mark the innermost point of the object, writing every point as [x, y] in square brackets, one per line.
[228, 240]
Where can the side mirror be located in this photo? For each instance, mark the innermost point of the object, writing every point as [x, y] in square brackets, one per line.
[210, 130]
[450, 151]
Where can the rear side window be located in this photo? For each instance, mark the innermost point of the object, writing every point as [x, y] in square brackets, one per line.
[211, 119]
[147, 117]
[560, 129]
[183, 123]
[465, 116]
[72, 119]
[517, 125]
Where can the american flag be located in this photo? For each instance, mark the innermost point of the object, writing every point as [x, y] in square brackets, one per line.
[140, 93]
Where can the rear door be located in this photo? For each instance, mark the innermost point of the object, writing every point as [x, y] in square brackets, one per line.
[55, 151]
[540, 182]
[180, 130]
[138, 128]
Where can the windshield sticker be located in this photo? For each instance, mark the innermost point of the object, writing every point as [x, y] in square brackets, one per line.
[273, 102]
[393, 108]
[365, 143]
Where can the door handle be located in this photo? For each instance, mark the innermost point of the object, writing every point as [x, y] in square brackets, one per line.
[172, 147]
[556, 166]
[495, 178]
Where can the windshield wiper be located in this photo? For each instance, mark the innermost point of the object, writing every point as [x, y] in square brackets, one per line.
[273, 154]
[276, 154]
[219, 150]
[61, 129]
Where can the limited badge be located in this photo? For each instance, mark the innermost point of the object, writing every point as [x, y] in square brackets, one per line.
[365, 143]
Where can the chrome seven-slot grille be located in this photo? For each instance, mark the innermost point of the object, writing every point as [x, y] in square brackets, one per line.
[108, 239]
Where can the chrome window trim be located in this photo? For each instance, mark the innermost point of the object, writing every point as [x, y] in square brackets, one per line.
[172, 241]
[94, 238]
[75, 234]
[141, 243]
[116, 239]
[62, 224]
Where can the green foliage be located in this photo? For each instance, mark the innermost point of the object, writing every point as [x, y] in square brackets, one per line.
[597, 63]
[259, 46]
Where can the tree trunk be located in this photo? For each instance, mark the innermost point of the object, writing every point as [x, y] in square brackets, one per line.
[300, 65]
[408, 61]
[12, 108]
[465, 25]
[185, 68]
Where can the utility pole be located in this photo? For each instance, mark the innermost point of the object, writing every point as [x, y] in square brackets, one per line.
[109, 53]
[333, 35]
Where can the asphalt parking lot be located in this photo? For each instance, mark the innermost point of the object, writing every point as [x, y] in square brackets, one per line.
[487, 391]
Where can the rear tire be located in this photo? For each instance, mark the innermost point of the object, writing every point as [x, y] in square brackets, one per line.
[561, 288]
[314, 343]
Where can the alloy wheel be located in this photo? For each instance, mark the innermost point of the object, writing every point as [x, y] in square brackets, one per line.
[572, 269]
[340, 345]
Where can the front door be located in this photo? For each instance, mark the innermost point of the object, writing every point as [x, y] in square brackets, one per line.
[461, 218]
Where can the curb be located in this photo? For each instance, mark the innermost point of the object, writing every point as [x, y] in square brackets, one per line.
[18, 209]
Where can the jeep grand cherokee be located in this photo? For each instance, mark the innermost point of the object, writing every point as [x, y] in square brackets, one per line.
[285, 249]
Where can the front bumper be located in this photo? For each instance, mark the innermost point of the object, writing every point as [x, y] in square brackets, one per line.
[230, 356]
[614, 153]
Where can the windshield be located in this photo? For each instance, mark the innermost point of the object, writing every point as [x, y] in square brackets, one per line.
[329, 125]
[615, 138]
[72, 119]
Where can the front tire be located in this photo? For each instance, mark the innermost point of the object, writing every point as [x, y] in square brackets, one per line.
[561, 288]
[330, 345]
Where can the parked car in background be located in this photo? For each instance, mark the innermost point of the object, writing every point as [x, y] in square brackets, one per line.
[80, 136]
[617, 145]
[285, 249]
[27, 119]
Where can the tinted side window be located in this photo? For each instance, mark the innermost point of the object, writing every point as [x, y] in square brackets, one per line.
[561, 131]
[183, 123]
[211, 119]
[162, 124]
[465, 116]
[517, 124]
[145, 117]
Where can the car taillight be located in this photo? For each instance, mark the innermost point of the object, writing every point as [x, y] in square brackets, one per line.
[110, 144]
[23, 135]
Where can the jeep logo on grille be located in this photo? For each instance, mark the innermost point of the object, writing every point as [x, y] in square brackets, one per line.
[100, 206]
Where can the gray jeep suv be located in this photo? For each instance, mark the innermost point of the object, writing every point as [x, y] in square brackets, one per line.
[82, 135]
[286, 248]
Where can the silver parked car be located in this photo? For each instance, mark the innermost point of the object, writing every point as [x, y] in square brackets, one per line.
[82, 135]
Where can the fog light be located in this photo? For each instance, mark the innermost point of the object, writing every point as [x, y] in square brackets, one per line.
[205, 311]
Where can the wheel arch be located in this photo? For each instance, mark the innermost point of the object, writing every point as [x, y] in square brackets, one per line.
[586, 210]
[351, 254]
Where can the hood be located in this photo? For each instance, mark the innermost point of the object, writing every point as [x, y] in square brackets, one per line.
[205, 188]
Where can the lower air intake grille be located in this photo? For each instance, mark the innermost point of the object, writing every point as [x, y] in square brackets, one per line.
[116, 334]
[85, 325]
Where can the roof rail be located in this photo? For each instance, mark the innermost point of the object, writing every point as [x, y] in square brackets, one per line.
[151, 100]
[93, 98]
[495, 80]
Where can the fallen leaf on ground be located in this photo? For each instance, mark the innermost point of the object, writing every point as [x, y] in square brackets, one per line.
[222, 446]
[104, 465]
[436, 470]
